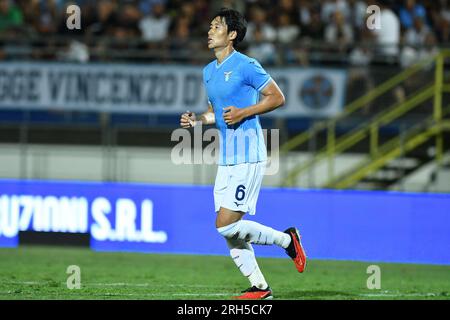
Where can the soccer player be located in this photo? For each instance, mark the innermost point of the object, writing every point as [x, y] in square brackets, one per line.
[233, 84]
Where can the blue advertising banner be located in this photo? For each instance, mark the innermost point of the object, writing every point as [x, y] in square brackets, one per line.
[343, 225]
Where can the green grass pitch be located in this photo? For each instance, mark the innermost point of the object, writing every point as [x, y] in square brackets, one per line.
[39, 272]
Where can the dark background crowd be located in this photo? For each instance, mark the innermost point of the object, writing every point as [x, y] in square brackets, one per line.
[279, 32]
[333, 34]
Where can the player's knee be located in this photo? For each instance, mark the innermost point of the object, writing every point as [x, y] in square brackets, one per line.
[229, 231]
[227, 217]
[234, 230]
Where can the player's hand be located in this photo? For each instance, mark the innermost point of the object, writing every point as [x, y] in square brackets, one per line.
[188, 119]
[233, 115]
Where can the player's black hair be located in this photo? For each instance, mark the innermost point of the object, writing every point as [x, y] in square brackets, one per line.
[235, 21]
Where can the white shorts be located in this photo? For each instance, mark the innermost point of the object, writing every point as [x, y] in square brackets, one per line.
[237, 186]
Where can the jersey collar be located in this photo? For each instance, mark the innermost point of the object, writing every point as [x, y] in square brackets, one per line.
[221, 64]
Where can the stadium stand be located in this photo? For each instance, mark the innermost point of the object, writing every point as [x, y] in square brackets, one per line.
[281, 34]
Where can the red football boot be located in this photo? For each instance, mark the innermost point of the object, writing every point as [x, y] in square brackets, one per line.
[295, 249]
[255, 293]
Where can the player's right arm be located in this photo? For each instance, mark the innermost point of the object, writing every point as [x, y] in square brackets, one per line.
[189, 119]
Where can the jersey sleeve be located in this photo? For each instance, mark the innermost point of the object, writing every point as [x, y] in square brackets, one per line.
[255, 75]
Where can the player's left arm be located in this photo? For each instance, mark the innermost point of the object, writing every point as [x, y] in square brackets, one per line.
[272, 98]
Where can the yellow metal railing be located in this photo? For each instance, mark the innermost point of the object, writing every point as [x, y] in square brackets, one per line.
[393, 148]
[371, 127]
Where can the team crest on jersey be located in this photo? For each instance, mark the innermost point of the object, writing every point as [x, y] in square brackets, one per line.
[227, 75]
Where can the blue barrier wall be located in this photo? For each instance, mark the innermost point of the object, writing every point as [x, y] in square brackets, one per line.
[350, 225]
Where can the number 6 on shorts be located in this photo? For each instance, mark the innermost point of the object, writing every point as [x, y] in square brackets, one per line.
[240, 192]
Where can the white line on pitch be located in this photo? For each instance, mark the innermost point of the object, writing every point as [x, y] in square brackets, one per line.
[116, 284]
[429, 294]
[132, 294]
[122, 284]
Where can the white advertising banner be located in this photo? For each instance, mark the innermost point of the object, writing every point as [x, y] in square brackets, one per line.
[162, 89]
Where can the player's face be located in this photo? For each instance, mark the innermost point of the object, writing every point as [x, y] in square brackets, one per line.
[218, 34]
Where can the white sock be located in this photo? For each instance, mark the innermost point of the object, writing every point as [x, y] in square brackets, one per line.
[255, 233]
[257, 279]
[244, 258]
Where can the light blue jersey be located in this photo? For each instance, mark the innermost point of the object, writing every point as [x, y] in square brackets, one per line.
[237, 82]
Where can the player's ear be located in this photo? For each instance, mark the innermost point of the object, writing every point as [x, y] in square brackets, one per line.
[232, 35]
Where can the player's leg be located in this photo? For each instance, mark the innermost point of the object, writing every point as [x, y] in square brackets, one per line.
[244, 257]
[242, 251]
[240, 195]
[230, 225]
[239, 232]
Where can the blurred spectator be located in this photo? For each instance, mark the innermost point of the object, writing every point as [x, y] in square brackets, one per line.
[387, 38]
[104, 19]
[330, 7]
[260, 49]
[339, 31]
[48, 16]
[446, 12]
[180, 42]
[188, 12]
[360, 57]
[75, 52]
[127, 19]
[201, 9]
[409, 11]
[287, 7]
[358, 10]
[304, 12]
[146, 7]
[155, 27]
[10, 15]
[158, 24]
[216, 5]
[415, 36]
[258, 20]
[359, 75]
[410, 55]
[28, 9]
[430, 47]
[287, 31]
[443, 23]
[315, 29]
